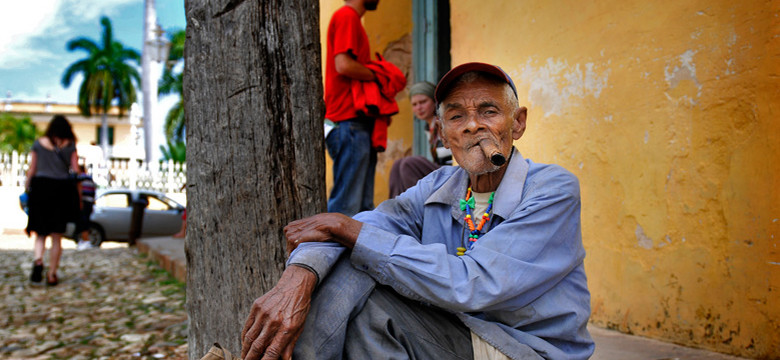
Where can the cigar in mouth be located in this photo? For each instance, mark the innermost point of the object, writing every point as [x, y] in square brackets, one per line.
[491, 152]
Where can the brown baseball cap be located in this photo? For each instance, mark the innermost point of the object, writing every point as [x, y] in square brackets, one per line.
[443, 88]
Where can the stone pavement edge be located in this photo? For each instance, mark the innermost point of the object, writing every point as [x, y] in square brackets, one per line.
[168, 252]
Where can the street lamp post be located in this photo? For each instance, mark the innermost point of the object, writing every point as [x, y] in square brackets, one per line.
[155, 52]
[135, 135]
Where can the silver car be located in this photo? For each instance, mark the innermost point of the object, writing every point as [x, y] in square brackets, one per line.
[111, 217]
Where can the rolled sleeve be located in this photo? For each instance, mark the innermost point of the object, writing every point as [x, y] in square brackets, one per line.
[371, 251]
[317, 257]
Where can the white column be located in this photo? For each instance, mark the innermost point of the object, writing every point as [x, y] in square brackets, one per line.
[135, 135]
[148, 83]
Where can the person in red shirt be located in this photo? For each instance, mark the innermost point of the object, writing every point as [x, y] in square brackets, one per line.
[349, 141]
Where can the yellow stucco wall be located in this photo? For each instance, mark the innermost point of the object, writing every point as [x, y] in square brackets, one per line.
[389, 30]
[667, 112]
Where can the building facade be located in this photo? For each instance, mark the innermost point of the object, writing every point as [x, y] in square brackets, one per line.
[666, 111]
[124, 142]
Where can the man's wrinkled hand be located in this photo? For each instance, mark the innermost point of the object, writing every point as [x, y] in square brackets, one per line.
[322, 227]
[276, 319]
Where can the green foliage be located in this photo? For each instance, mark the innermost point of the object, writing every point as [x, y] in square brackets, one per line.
[109, 73]
[172, 83]
[175, 150]
[17, 134]
[175, 122]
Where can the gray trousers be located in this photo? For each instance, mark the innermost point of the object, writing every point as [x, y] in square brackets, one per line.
[352, 317]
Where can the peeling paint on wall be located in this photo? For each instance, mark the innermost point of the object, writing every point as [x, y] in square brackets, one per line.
[554, 85]
[642, 240]
[686, 70]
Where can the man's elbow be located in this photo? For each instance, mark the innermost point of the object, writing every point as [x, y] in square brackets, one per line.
[343, 68]
[342, 63]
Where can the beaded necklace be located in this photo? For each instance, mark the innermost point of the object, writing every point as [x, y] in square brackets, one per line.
[474, 232]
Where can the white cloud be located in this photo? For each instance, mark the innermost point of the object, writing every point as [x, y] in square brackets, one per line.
[23, 21]
[92, 9]
[20, 22]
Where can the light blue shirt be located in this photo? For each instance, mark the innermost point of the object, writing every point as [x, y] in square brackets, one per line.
[523, 282]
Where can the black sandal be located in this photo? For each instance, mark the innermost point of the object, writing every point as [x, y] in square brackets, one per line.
[37, 272]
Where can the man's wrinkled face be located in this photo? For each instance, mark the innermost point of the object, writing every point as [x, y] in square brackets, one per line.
[371, 5]
[478, 110]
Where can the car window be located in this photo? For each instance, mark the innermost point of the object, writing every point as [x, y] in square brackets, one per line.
[157, 204]
[112, 200]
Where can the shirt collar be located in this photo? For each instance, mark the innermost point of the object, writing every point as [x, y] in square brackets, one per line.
[510, 190]
[508, 194]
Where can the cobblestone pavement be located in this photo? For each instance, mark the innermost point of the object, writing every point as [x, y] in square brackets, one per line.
[110, 304]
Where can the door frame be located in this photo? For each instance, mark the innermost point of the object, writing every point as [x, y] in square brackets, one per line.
[430, 54]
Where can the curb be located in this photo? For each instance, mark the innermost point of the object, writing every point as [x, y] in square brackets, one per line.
[169, 254]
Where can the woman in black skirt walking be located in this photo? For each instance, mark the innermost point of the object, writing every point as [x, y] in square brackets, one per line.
[53, 196]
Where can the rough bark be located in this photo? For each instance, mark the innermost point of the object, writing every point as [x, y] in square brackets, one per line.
[255, 150]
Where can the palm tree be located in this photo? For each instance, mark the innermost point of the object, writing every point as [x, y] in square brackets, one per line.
[17, 134]
[108, 72]
[176, 151]
[171, 83]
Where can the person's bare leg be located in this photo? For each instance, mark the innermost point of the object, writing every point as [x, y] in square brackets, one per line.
[54, 256]
[183, 232]
[36, 275]
[40, 248]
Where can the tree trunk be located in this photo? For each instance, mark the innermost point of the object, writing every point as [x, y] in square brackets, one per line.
[253, 99]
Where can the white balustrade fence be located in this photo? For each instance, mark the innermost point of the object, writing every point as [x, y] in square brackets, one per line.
[167, 177]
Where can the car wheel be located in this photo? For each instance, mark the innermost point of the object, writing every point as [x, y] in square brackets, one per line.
[96, 235]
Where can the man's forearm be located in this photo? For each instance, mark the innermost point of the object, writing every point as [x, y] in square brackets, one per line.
[309, 268]
[298, 274]
[347, 231]
[323, 227]
[349, 67]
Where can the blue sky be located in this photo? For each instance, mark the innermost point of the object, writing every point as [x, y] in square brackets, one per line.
[33, 34]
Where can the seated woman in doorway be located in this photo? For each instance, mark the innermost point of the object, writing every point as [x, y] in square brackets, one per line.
[408, 170]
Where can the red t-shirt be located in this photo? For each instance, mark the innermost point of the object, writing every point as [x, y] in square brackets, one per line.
[345, 35]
